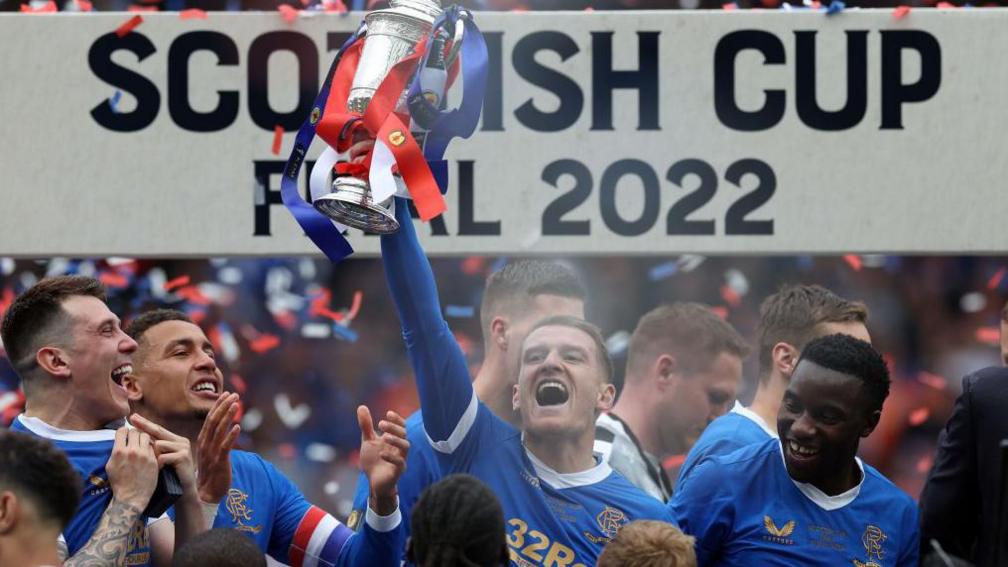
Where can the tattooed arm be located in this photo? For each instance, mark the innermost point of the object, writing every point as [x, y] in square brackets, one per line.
[132, 474]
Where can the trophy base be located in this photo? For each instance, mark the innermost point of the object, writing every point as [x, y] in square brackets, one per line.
[352, 206]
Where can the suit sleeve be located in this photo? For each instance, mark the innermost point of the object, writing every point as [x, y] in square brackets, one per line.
[949, 503]
[704, 508]
[447, 398]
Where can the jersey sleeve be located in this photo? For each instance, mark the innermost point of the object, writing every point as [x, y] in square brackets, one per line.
[703, 507]
[446, 394]
[910, 551]
[720, 445]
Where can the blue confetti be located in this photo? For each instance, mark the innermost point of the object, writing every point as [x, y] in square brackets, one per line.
[662, 271]
[835, 7]
[345, 333]
[459, 311]
[114, 101]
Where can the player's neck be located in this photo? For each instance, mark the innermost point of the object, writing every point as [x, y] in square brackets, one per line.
[34, 547]
[768, 398]
[844, 480]
[564, 455]
[64, 414]
[633, 410]
[494, 389]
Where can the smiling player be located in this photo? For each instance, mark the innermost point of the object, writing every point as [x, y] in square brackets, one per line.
[806, 499]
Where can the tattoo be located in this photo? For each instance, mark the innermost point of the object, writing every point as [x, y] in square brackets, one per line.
[111, 540]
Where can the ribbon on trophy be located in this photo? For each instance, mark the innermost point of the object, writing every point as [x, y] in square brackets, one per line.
[422, 171]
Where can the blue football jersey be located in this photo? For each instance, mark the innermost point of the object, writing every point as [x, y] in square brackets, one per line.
[423, 470]
[726, 434]
[744, 509]
[551, 518]
[88, 452]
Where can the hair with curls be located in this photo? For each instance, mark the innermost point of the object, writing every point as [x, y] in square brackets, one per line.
[848, 355]
[457, 522]
[649, 543]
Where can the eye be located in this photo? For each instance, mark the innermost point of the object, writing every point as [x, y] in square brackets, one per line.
[179, 353]
[573, 357]
[791, 405]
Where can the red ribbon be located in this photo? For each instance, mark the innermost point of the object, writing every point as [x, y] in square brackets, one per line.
[381, 121]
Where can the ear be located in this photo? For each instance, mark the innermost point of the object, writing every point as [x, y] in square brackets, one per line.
[785, 358]
[499, 327]
[9, 511]
[515, 398]
[871, 423]
[133, 390]
[666, 370]
[54, 361]
[606, 397]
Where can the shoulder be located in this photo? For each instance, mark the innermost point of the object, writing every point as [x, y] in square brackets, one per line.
[881, 488]
[988, 380]
[741, 462]
[641, 504]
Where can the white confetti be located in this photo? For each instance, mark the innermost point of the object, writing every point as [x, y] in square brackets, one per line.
[320, 453]
[973, 302]
[251, 420]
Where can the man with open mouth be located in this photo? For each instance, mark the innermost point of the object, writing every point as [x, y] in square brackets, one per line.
[176, 383]
[72, 357]
[806, 499]
[560, 505]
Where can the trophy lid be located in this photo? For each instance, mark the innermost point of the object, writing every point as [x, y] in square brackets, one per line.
[430, 8]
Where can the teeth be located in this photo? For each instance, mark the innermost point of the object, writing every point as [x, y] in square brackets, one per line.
[123, 370]
[551, 384]
[205, 387]
[801, 450]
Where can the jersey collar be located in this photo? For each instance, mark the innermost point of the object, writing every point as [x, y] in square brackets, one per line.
[43, 429]
[753, 416]
[598, 473]
[820, 498]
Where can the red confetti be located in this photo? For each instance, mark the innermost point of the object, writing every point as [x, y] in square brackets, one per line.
[5, 300]
[286, 319]
[239, 385]
[674, 461]
[264, 343]
[854, 261]
[358, 296]
[464, 343]
[128, 26]
[945, 5]
[995, 280]
[924, 464]
[730, 296]
[989, 335]
[83, 5]
[721, 311]
[287, 450]
[372, 3]
[729, 6]
[47, 8]
[320, 306]
[198, 316]
[192, 14]
[192, 294]
[112, 279]
[900, 12]
[933, 380]
[215, 337]
[289, 14]
[473, 265]
[135, 8]
[176, 282]
[305, 3]
[919, 416]
[337, 6]
[278, 133]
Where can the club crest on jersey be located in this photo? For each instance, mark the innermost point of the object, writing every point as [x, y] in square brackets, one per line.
[353, 520]
[98, 485]
[609, 521]
[872, 540]
[781, 535]
[240, 512]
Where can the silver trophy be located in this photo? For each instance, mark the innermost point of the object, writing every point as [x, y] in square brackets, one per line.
[391, 36]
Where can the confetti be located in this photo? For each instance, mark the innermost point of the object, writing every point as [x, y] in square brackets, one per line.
[945, 5]
[289, 14]
[662, 271]
[730, 296]
[900, 12]
[618, 342]
[128, 26]
[674, 461]
[316, 331]
[192, 14]
[919, 416]
[321, 453]
[924, 464]
[83, 5]
[287, 451]
[995, 281]
[355, 304]
[464, 343]
[264, 343]
[729, 6]
[473, 265]
[933, 380]
[835, 7]
[46, 8]
[251, 420]
[331, 488]
[113, 280]
[290, 416]
[721, 311]
[854, 261]
[176, 282]
[973, 302]
[336, 6]
[989, 335]
[459, 311]
[690, 262]
[192, 294]
[239, 385]
[278, 133]
[345, 333]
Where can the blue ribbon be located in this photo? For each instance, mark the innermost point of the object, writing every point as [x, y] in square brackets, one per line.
[462, 121]
[316, 226]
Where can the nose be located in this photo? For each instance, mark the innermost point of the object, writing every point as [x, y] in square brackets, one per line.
[803, 427]
[126, 344]
[205, 361]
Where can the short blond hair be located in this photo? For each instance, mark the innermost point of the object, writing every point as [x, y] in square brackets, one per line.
[649, 543]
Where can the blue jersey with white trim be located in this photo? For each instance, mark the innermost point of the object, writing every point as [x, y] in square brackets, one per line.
[551, 518]
[744, 509]
[726, 434]
[88, 452]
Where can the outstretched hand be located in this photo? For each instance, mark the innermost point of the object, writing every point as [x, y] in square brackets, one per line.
[213, 449]
[383, 457]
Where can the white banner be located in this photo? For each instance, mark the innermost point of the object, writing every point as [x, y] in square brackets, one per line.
[602, 133]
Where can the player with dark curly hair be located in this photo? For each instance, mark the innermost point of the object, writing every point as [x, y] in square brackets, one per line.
[457, 522]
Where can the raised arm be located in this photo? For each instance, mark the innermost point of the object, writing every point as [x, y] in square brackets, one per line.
[446, 395]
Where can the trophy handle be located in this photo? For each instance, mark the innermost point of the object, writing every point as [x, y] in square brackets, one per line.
[456, 41]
